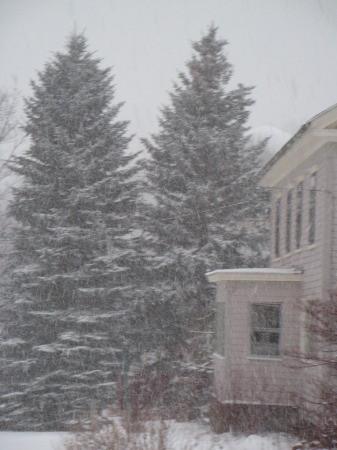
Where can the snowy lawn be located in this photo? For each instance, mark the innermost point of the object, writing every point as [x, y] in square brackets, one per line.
[181, 436]
[31, 441]
[195, 436]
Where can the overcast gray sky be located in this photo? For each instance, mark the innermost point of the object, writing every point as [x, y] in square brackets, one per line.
[286, 48]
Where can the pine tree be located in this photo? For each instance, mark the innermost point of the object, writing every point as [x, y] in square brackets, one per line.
[74, 247]
[208, 213]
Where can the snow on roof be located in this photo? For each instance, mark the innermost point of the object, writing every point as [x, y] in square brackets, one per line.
[256, 270]
[289, 144]
[277, 139]
[255, 274]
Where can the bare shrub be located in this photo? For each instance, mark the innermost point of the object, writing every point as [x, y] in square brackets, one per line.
[115, 434]
[164, 394]
[319, 359]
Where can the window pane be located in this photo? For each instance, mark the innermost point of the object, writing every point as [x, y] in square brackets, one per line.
[299, 215]
[289, 219]
[278, 227]
[265, 344]
[220, 328]
[266, 316]
[312, 207]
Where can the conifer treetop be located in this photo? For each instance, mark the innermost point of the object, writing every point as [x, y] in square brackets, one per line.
[210, 64]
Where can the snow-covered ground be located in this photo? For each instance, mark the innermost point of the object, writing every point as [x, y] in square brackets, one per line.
[181, 436]
[195, 436]
[31, 441]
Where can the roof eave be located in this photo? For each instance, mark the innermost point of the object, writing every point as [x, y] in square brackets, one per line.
[219, 276]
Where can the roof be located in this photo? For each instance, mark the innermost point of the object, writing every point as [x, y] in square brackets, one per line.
[316, 123]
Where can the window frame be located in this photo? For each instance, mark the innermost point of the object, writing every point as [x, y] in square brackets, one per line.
[265, 330]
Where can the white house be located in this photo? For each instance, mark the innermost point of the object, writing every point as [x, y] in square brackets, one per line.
[260, 318]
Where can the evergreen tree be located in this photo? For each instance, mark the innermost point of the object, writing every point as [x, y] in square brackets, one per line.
[74, 247]
[207, 212]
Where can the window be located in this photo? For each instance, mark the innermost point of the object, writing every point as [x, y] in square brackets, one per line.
[289, 219]
[220, 328]
[278, 227]
[265, 329]
[299, 206]
[312, 207]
